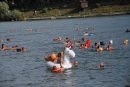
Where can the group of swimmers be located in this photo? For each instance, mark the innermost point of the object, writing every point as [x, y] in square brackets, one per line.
[72, 43]
[13, 48]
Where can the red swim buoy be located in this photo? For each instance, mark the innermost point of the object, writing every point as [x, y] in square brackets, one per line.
[88, 42]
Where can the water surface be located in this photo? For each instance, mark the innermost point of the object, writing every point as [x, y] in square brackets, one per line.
[28, 69]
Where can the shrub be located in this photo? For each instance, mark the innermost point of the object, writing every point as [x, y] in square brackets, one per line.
[16, 14]
[45, 10]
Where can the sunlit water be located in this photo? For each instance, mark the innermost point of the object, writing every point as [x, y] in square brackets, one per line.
[28, 69]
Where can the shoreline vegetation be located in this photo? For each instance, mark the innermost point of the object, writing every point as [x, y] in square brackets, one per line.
[78, 16]
[59, 11]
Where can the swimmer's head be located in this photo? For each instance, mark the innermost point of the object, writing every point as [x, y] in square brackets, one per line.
[101, 65]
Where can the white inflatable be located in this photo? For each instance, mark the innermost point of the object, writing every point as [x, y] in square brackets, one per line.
[66, 61]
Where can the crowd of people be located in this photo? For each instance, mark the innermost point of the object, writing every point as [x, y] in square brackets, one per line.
[72, 43]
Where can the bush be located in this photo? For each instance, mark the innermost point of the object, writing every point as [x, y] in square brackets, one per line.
[16, 14]
[45, 10]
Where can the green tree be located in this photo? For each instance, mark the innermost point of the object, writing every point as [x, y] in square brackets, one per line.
[4, 8]
[16, 14]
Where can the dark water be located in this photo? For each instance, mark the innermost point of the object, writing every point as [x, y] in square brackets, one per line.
[28, 69]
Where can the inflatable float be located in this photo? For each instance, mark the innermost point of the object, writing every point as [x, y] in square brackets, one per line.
[88, 42]
[90, 34]
[66, 61]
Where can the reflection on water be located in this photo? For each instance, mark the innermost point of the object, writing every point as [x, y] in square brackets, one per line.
[28, 69]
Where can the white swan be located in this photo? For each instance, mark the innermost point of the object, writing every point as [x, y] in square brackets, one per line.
[66, 61]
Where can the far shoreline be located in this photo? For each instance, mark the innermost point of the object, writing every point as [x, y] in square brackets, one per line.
[71, 17]
[78, 16]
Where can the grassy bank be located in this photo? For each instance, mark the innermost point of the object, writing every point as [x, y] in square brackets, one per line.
[73, 12]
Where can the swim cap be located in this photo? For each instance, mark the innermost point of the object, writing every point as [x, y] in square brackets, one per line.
[126, 41]
[53, 56]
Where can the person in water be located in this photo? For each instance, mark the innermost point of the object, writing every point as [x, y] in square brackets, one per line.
[125, 42]
[4, 47]
[97, 67]
[109, 48]
[75, 63]
[59, 58]
[52, 58]
[21, 50]
[99, 49]
[86, 34]
[14, 47]
[57, 70]
[127, 30]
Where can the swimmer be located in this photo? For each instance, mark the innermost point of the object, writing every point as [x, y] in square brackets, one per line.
[125, 42]
[13, 48]
[99, 49]
[83, 40]
[72, 46]
[15, 30]
[52, 58]
[82, 46]
[76, 29]
[55, 69]
[1, 40]
[75, 63]
[97, 67]
[59, 58]
[93, 29]
[127, 30]
[43, 28]
[109, 48]
[4, 47]
[86, 34]
[57, 39]
[87, 28]
[9, 39]
[37, 30]
[23, 49]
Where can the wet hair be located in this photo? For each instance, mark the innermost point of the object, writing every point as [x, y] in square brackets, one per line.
[18, 50]
[101, 65]
[2, 44]
[102, 43]
[53, 67]
[59, 55]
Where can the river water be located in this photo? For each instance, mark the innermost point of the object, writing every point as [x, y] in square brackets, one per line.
[28, 69]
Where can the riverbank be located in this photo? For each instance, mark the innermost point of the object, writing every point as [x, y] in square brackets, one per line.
[78, 16]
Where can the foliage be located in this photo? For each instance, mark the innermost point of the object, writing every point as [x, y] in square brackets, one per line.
[3, 9]
[6, 14]
[16, 14]
[45, 10]
[98, 5]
